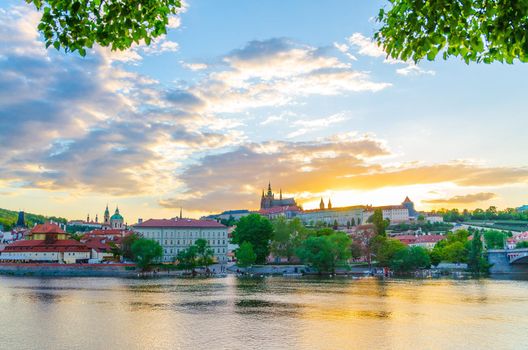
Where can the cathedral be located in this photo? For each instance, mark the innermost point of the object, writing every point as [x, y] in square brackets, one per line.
[268, 200]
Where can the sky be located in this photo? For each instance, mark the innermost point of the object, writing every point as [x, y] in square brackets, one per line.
[237, 95]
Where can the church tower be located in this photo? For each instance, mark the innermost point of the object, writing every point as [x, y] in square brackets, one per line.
[329, 203]
[107, 216]
[321, 204]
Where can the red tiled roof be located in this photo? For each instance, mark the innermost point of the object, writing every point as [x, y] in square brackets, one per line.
[429, 239]
[180, 223]
[97, 244]
[47, 228]
[43, 246]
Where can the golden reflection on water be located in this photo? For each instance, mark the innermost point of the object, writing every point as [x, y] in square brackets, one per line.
[269, 313]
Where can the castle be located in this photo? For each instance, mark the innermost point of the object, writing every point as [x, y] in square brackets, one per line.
[268, 200]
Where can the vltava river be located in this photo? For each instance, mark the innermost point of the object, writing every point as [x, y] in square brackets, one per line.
[271, 313]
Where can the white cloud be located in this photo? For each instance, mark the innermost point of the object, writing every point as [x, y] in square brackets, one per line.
[305, 126]
[194, 66]
[414, 70]
[366, 46]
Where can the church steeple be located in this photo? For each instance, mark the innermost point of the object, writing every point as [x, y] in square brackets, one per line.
[321, 204]
[269, 188]
[280, 194]
[106, 215]
[329, 203]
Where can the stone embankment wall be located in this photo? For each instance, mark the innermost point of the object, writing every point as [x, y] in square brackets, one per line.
[69, 270]
[501, 264]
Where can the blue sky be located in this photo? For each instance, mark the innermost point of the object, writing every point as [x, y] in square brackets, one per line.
[250, 91]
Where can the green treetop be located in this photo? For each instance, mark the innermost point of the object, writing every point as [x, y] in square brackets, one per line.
[256, 230]
[474, 30]
[245, 255]
[145, 251]
[76, 25]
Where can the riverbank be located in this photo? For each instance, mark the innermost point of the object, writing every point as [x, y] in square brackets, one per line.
[69, 270]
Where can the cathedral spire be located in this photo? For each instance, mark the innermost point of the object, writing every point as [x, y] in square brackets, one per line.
[329, 203]
[181, 213]
[269, 188]
[280, 194]
[321, 204]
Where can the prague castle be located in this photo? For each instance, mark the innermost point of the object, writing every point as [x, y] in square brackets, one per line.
[268, 200]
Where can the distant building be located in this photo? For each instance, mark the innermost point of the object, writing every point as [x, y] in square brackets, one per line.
[47, 243]
[268, 200]
[431, 218]
[114, 222]
[21, 222]
[289, 212]
[177, 234]
[522, 208]
[343, 215]
[425, 241]
[395, 213]
[407, 203]
[117, 221]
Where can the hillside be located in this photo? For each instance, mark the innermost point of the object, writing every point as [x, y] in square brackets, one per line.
[8, 219]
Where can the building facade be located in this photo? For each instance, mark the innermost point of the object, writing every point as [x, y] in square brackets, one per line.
[175, 235]
[394, 213]
[47, 243]
[268, 200]
[344, 216]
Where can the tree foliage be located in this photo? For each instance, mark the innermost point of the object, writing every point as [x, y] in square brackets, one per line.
[474, 30]
[204, 253]
[386, 250]
[476, 261]
[324, 253]
[188, 258]
[287, 236]
[245, 255]
[126, 246]
[410, 259]
[76, 25]
[256, 230]
[378, 221]
[145, 251]
[523, 244]
[494, 239]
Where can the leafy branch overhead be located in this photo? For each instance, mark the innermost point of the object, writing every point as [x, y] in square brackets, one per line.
[474, 30]
[77, 25]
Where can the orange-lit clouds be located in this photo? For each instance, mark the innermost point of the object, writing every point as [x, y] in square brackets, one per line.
[464, 199]
[232, 179]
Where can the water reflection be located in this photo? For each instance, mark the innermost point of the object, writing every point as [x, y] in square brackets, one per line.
[263, 313]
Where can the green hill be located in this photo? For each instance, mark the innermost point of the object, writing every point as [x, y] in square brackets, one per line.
[8, 219]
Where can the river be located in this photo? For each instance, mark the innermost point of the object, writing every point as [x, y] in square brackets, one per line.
[270, 313]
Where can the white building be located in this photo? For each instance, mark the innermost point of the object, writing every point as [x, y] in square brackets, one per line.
[343, 216]
[434, 218]
[395, 213]
[46, 243]
[175, 235]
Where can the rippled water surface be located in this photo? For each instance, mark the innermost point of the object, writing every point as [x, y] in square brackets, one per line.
[271, 313]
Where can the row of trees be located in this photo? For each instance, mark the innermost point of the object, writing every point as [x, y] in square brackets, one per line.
[492, 213]
[8, 219]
